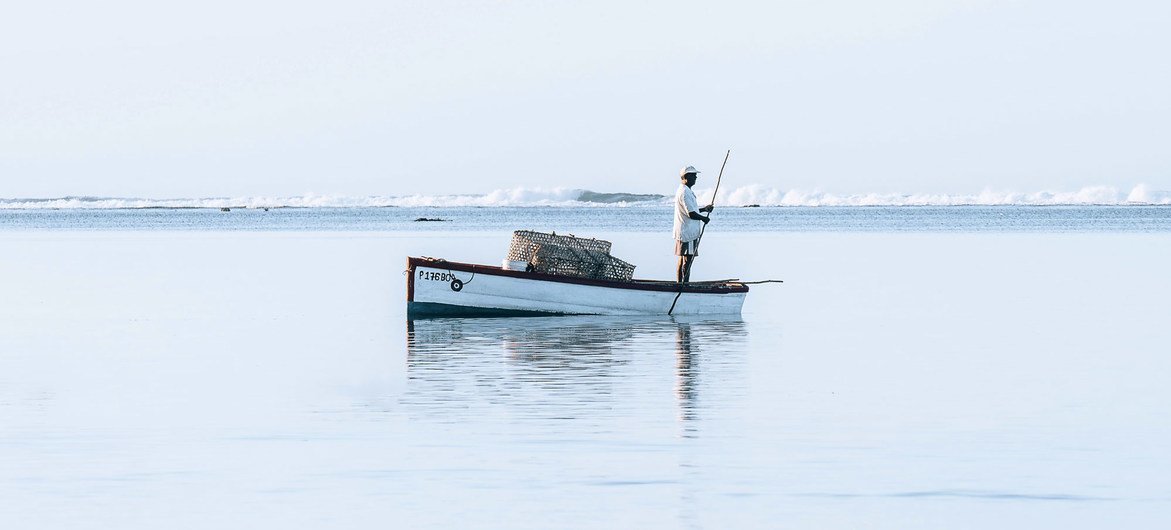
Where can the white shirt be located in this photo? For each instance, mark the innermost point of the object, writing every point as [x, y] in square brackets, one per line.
[686, 228]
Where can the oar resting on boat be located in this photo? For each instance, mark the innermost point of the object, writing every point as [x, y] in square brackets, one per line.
[704, 282]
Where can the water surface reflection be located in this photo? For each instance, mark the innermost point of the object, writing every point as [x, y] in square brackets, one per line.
[572, 367]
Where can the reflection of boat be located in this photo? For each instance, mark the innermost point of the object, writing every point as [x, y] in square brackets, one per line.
[580, 346]
[571, 366]
[570, 335]
[441, 288]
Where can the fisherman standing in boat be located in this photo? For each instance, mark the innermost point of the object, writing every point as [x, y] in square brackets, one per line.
[688, 223]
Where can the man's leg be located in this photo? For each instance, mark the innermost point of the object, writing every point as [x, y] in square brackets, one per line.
[687, 261]
[681, 269]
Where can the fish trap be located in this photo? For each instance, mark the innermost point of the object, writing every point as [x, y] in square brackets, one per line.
[568, 256]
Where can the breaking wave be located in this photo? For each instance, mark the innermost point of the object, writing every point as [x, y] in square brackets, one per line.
[753, 195]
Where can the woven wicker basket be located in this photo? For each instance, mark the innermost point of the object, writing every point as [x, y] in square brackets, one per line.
[568, 256]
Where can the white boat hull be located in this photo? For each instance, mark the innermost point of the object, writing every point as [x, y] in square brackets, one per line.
[441, 288]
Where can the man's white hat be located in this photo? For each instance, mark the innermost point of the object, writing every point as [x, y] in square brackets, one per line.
[686, 170]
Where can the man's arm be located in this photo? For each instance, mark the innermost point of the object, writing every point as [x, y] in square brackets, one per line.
[689, 202]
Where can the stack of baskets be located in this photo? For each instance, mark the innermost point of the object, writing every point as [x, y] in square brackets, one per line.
[568, 256]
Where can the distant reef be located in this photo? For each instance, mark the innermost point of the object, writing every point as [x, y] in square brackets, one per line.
[611, 198]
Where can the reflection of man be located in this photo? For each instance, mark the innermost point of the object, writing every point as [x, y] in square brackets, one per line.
[687, 223]
[685, 372]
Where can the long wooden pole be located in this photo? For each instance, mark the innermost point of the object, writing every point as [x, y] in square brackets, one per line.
[714, 193]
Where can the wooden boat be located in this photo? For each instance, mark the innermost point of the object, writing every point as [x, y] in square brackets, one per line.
[441, 288]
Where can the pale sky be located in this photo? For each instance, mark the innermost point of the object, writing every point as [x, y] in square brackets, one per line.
[215, 98]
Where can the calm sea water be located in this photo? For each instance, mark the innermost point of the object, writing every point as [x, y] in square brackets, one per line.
[641, 218]
[944, 372]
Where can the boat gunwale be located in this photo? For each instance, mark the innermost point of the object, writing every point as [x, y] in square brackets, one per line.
[637, 285]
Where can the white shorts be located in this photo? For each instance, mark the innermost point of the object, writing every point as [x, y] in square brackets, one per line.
[687, 248]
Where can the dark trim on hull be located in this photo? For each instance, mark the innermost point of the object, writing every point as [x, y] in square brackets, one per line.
[410, 279]
[421, 310]
[635, 285]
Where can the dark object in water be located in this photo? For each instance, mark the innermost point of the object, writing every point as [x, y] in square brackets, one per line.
[431, 220]
[225, 209]
[752, 206]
